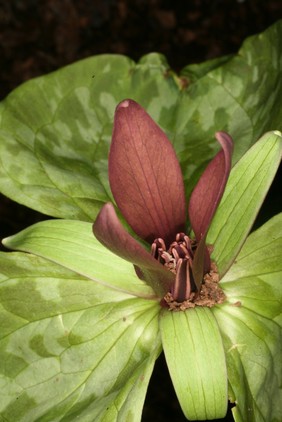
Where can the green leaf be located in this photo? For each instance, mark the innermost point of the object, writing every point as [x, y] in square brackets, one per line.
[60, 125]
[70, 348]
[55, 130]
[257, 268]
[251, 325]
[195, 357]
[240, 94]
[247, 186]
[73, 245]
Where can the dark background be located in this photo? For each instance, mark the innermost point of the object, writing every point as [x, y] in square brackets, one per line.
[37, 37]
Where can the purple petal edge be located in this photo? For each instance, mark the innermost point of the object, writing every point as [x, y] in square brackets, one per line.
[208, 192]
[109, 231]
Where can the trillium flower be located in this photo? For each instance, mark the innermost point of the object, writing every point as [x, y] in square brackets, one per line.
[147, 185]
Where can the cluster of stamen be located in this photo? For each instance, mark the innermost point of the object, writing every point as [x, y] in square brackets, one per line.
[178, 259]
[182, 248]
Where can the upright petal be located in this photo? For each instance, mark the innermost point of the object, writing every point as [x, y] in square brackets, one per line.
[110, 232]
[209, 189]
[145, 176]
[201, 263]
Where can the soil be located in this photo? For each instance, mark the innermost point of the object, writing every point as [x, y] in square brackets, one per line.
[37, 37]
[210, 294]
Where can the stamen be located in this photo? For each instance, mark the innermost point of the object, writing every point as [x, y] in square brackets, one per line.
[172, 245]
[178, 258]
[180, 237]
[166, 257]
[188, 244]
[161, 243]
[184, 251]
[175, 254]
[157, 248]
[153, 249]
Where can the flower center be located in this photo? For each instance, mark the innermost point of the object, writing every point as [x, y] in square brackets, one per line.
[178, 258]
[182, 248]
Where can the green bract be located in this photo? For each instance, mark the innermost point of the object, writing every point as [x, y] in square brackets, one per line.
[79, 331]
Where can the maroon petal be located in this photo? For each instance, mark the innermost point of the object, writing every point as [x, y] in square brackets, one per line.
[110, 232]
[201, 263]
[207, 194]
[145, 176]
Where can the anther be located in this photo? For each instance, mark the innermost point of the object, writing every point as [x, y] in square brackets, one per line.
[175, 254]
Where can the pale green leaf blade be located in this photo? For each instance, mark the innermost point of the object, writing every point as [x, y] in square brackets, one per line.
[195, 357]
[251, 324]
[69, 348]
[246, 188]
[257, 269]
[73, 245]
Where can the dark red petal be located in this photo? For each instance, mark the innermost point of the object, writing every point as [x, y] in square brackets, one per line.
[110, 232]
[207, 194]
[201, 263]
[145, 176]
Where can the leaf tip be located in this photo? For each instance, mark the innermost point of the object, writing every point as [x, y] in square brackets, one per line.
[5, 241]
[277, 132]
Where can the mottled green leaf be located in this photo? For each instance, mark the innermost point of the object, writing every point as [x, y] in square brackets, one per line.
[240, 94]
[195, 357]
[70, 348]
[251, 325]
[55, 130]
[78, 340]
[247, 186]
[72, 245]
